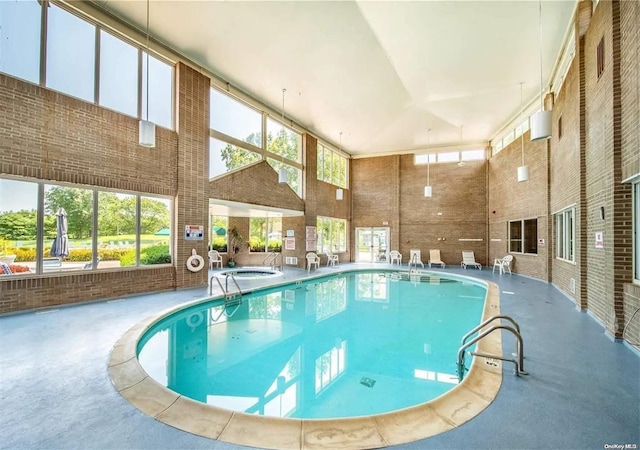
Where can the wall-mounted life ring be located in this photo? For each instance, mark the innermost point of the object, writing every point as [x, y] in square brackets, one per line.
[195, 262]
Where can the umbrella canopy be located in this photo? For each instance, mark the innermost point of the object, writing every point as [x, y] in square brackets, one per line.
[219, 231]
[60, 246]
[163, 232]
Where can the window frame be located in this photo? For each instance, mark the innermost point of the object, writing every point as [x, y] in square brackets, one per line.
[565, 229]
[523, 239]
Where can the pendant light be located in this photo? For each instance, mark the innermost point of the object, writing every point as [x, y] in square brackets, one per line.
[523, 171]
[427, 189]
[147, 129]
[339, 191]
[282, 173]
[541, 121]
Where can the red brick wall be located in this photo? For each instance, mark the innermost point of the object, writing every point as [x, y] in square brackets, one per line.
[510, 200]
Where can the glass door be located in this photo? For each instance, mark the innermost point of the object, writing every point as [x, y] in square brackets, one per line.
[372, 244]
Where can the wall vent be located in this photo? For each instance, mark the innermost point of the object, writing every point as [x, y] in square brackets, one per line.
[291, 260]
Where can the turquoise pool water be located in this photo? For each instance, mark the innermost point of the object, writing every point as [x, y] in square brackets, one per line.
[354, 344]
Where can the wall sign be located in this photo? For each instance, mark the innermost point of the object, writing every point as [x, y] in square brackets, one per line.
[193, 232]
[599, 239]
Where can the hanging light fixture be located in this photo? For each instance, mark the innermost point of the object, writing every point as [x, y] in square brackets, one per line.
[339, 191]
[427, 189]
[541, 121]
[147, 131]
[523, 171]
[282, 173]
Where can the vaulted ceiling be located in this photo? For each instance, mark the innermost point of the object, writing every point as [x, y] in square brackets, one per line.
[381, 72]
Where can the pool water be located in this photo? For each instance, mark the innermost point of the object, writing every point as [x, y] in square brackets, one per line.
[353, 344]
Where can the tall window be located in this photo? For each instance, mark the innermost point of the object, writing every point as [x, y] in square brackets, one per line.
[265, 234]
[565, 232]
[219, 225]
[523, 236]
[235, 119]
[331, 234]
[20, 39]
[332, 167]
[132, 229]
[70, 54]
[285, 147]
[71, 66]
[225, 157]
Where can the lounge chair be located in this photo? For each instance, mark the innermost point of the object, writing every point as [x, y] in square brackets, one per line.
[469, 259]
[395, 257]
[312, 259]
[215, 259]
[434, 258]
[332, 259]
[503, 264]
[415, 258]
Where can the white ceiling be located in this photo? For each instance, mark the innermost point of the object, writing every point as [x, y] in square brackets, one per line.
[381, 72]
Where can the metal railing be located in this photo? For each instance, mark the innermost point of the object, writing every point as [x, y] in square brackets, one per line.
[272, 261]
[518, 359]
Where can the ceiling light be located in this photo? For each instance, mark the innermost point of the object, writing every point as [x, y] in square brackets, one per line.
[147, 129]
[282, 173]
[541, 121]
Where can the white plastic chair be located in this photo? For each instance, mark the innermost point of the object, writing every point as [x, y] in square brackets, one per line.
[395, 257]
[312, 259]
[469, 259]
[503, 264]
[332, 259]
[434, 258]
[215, 259]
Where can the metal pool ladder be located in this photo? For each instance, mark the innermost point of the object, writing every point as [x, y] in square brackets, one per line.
[518, 359]
[231, 298]
[272, 261]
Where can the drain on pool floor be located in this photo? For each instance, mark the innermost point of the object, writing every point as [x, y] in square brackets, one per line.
[368, 382]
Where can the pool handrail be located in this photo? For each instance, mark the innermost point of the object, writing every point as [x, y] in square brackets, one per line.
[489, 320]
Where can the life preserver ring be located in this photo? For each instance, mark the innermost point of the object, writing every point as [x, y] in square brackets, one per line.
[194, 320]
[195, 262]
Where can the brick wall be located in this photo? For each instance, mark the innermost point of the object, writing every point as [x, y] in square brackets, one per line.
[510, 200]
[566, 178]
[50, 136]
[630, 134]
[192, 168]
[609, 267]
[391, 189]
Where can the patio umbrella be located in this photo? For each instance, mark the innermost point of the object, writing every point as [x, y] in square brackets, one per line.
[219, 231]
[60, 246]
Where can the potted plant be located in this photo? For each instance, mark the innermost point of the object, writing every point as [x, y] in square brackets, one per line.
[235, 245]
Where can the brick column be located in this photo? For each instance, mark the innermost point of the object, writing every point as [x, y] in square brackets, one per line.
[192, 166]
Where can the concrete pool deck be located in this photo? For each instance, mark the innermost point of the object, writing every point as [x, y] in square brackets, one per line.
[582, 391]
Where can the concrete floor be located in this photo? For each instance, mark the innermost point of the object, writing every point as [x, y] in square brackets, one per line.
[582, 391]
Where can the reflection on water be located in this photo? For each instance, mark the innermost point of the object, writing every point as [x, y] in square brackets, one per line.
[304, 350]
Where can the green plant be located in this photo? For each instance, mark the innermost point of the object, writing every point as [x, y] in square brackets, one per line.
[157, 254]
[236, 243]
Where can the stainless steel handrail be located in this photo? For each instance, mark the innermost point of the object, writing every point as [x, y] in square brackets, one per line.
[489, 320]
[272, 259]
[519, 361]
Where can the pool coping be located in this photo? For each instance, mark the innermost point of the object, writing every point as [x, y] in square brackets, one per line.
[450, 410]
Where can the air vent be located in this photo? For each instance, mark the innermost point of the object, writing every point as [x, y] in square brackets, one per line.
[291, 261]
